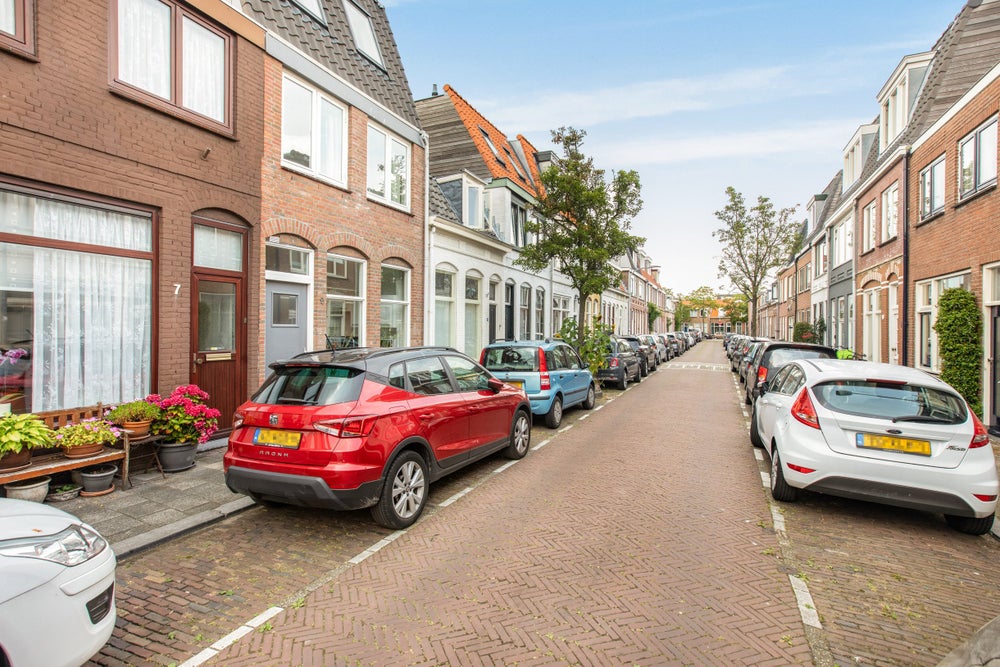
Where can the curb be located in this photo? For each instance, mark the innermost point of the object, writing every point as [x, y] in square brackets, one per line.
[134, 545]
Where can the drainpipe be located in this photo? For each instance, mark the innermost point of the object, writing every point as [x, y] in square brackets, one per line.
[904, 348]
[428, 255]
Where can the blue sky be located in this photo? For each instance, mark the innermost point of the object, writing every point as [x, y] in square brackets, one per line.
[695, 96]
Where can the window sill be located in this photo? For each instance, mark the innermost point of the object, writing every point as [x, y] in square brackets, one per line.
[930, 218]
[866, 252]
[312, 176]
[389, 204]
[975, 195]
[887, 241]
[177, 113]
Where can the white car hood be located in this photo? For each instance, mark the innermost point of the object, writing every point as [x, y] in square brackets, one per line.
[23, 518]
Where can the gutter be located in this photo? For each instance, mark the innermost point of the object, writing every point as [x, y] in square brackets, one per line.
[428, 256]
[904, 348]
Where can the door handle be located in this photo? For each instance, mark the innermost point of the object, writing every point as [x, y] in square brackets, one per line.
[426, 416]
[199, 360]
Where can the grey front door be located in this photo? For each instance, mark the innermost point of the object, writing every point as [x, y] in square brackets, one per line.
[287, 321]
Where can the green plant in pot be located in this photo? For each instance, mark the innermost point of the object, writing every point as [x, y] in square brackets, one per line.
[134, 416]
[86, 438]
[19, 434]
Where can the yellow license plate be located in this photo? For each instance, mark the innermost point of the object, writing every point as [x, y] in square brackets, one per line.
[890, 443]
[267, 436]
[516, 383]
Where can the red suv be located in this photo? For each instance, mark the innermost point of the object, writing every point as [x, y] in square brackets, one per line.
[371, 427]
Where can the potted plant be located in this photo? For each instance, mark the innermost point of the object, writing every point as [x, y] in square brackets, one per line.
[12, 374]
[87, 437]
[63, 492]
[19, 434]
[185, 421]
[134, 416]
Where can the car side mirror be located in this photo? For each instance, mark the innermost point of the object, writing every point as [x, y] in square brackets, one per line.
[494, 385]
[762, 387]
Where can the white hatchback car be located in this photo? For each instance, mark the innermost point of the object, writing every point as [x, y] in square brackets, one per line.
[57, 586]
[877, 432]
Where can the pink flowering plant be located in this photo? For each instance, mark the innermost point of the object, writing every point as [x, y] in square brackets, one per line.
[11, 358]
[184, 416]
[87, 432]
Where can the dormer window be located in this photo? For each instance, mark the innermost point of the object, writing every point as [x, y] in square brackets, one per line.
[493, 148]
[898, 95]
[311, 6]
[363, 31]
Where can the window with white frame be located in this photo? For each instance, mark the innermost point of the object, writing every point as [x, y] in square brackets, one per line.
[313, 127]
[928, 292]
[539, 313]
[394, 327]
[524, 308]
[977, 159]
[560, 311]
[311, 6]
[388, 168]
[871, 320]
[169, 57]
[473, 319]
[932, 188]
[890, 212]
[868, 225]
[819, 257]
[444, 308]
[345, 300]
[518, 217]
[17, 25]
[364, 33]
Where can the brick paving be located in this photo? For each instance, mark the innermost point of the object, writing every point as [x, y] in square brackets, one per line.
[639, 534]
[636, 537]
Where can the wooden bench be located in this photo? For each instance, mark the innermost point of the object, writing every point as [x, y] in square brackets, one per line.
[55, 462]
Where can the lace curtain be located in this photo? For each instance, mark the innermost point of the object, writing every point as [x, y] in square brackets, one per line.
[92, 320]
[7, 18]
[144, 45]
[204, 59]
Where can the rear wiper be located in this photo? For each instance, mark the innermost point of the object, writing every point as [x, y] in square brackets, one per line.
[294, 401]
[923, 419]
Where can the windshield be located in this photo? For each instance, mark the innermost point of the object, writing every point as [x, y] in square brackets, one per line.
[311, 385]
[895, 401]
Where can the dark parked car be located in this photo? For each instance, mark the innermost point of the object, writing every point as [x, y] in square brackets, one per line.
[622, 364]
[658, 345]
[550, 372]
[742, 347]
[371, 427]
[647, 355]
[772, 355]
[741, 369]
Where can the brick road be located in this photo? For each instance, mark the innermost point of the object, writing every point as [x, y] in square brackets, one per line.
[640, 535]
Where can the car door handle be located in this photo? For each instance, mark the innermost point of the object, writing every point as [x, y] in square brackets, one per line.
[426, 416]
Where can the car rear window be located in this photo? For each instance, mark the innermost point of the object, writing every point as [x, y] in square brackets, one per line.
[513, 358]
[896, 401]
[311, 385]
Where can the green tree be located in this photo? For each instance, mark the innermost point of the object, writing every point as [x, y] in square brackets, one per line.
[701, 302]
[803, 333]
[959, 327]
[736, 309]
[593, 346]
[682, 315]
[653, 313]
[582, 220]
[754, 242]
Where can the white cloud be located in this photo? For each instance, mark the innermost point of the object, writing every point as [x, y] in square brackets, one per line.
[824, 138]
[643, 99]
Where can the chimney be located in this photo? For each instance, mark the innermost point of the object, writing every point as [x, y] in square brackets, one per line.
[434, 90]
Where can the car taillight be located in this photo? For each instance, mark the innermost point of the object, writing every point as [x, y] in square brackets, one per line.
[543, 370]
[803, 410]
[237, 419]
[761, 374]
[613, 363]
[348, 427]
[482, 357]
[980, 436]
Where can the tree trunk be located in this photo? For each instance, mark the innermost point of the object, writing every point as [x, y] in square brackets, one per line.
[580, 324]
[753, 317]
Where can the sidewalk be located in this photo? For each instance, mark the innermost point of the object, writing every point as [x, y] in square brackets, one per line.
[158, 507]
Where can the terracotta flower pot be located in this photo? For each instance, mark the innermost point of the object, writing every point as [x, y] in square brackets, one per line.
[83, 451]
[15, 460]
[137, 429]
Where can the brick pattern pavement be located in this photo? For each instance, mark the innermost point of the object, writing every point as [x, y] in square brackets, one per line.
[636, 537]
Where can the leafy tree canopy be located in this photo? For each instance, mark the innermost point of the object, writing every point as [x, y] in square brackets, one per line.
[754, 242]
[582, 220]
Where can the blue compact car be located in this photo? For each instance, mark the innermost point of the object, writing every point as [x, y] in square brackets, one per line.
[550, 373]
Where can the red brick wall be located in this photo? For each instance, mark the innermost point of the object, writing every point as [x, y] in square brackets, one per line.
[325, 217]
[964, 236]
[61, 127]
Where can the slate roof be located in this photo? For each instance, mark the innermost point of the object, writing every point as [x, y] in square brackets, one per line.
[440, 206]
[331, 44]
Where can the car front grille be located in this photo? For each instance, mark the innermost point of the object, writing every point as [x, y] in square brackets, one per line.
[99, 607]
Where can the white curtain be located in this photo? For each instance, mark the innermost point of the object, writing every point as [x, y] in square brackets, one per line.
[7, 24]
[204, 59]
[92, 313]
[144, 45]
